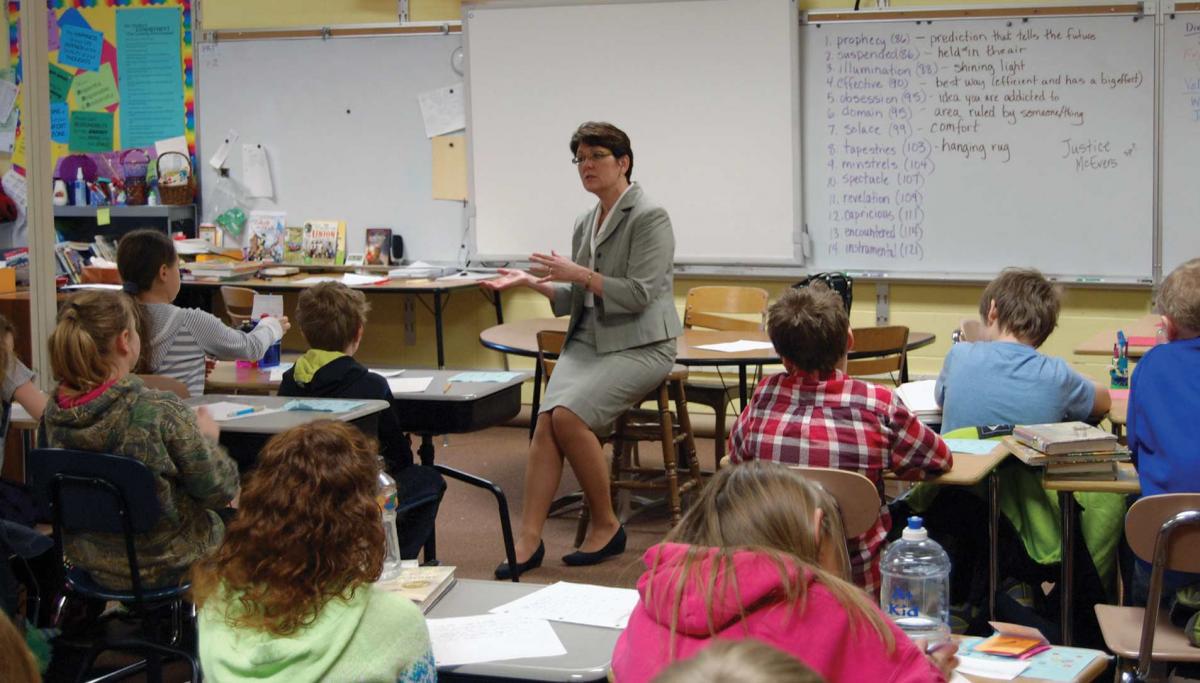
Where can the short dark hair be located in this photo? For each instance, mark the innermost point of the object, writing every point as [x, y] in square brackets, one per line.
[606, 135]
[330, 315]
[1179, 297]
[809, 327]
[1027, 304]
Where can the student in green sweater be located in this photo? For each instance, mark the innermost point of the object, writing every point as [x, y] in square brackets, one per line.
[288, 596]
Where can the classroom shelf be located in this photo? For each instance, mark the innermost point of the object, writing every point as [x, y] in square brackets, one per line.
[180, 212]
[78, 223]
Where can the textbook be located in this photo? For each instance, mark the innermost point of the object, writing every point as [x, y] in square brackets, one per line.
[1102, 470]
[1065, 437]
[267, 236]
[1036, 458]
[422, 585]
[379, 247]
[918, 397]
[325, 242]
[293, 244]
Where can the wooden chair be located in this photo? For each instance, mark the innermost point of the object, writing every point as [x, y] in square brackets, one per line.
[239, 303]
[1163, 530]
[712, 308]
[164, 383]
[857, 497]
[879, 350]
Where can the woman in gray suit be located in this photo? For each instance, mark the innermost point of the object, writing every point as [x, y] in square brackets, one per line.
[620, 345]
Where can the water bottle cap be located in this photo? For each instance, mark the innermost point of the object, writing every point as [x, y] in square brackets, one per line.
[915, 530]
[915, 522]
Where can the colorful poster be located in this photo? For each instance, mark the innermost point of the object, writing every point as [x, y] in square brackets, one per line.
[52, 29]
[96, 90]
[150, 62]
[60, 122]
[60, 84]
[80, 47]
[91, 131]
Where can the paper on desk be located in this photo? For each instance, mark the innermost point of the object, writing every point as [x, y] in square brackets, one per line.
[317, 279]
[576, 603]
[356, 280]
[956, 677]
[408, 385]
[322, 405]
[223, 411]
[386, 373]
[467, 277]
[482, 377]
[278, 370]
[1056, 664]
[970, 446]
[1004, 670]
[737, 346]
[491, 638]
[267, 304]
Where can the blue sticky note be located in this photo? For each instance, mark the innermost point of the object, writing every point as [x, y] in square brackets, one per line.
[60, 122]
[322, 405]
[73, 17]
[149, 62]
[971, 446]
[80, 47]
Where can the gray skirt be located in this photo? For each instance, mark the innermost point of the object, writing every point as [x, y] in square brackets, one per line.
[599, 387]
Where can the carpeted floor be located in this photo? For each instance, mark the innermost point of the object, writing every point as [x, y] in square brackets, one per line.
[469, 528]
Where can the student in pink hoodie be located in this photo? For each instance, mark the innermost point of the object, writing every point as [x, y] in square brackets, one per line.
[762, 555]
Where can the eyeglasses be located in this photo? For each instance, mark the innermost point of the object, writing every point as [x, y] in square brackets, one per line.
[594, 156]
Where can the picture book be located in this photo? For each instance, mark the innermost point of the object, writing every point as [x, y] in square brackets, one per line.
[293, 244]
[1065, 437]
[266, 236]
[422, 585]
[379, 247]
[325, 242]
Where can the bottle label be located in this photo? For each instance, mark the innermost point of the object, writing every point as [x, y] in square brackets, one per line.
[901, 603]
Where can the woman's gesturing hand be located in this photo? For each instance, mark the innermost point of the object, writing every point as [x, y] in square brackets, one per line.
[508, 279]
[559, 268]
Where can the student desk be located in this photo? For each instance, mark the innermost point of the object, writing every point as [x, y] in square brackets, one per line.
[520, 339]
[439, 290]
[245, 436]
[1126, 483]
[1101, 343]
[589, 648]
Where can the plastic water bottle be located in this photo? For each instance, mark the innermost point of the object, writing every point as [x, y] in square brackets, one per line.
[916, 584]
[271, 358]
[387, 500]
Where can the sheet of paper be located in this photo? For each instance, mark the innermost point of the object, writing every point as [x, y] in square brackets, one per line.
[491, 638]
[80, 47]
[919, 396]
[737, 346]
[408, 385]
[1005, 670]
[576, 603]
[278, 370]
[322, 405]
[15, 187]
[60, 83]
[450, 167]
[443, 109]
[91, 131]
[95, 90]
[356, 280]
[971, 446]
[387, 373]
[256, 172]
[1056, 664]
[267, 304]
[956, 677]
[482, 377]
[225, 410]
[150, 64]
[8, 97]
[60, 122]
[222, 153]
[315, 279]
[467, 277]
[175, 144]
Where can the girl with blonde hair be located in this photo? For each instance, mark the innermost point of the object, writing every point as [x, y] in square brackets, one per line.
[762, 555]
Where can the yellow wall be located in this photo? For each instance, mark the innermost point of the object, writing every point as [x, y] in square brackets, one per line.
[936, 308]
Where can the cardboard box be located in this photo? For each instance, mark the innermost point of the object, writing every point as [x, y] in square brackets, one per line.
[8, 280]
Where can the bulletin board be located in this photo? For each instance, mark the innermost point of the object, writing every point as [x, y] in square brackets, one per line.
[118, 80]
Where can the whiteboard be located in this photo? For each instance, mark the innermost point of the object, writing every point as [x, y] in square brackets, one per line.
[342, 128]
[1181, 141]
[964, 146]
[706, 89]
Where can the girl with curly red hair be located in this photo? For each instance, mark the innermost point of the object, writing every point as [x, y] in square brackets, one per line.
[288, 595]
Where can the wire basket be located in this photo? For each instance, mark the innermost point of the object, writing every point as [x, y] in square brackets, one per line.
[176, 184]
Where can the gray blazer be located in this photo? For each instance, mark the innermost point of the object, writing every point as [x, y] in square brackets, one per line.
[636, 256]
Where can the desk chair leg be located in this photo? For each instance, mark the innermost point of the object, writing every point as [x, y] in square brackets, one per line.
[993, 541]
[429, 551]
[425, 450]
[510, 548]
[1066, 508]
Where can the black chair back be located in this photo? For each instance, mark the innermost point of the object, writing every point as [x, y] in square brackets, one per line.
[98, 493]
[841, 283]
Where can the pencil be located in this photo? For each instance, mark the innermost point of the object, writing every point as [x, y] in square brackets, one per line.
[447, 389]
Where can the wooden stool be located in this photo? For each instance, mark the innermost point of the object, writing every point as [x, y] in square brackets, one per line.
[673, 430]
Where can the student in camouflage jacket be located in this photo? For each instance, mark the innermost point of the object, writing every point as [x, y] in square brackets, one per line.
[194, 477]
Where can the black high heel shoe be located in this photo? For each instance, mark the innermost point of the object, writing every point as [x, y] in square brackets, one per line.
[616, 546]
[535, 560]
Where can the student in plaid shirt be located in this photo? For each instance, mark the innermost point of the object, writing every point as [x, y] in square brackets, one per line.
[815, 415]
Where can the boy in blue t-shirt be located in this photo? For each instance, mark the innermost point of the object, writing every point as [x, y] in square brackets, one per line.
[1004, 380]
[1163, 404]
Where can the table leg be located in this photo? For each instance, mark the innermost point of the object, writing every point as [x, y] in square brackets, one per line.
[1066, 506]
[904, 368]
[437, 327]
[425, 450]
[993, 541]
[742, 385]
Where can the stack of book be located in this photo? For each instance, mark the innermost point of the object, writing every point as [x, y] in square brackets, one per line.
[1068, 450]
[918, 397]
[423, 585]
[220, 271]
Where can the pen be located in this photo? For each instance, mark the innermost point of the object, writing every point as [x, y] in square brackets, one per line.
[244, 411]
